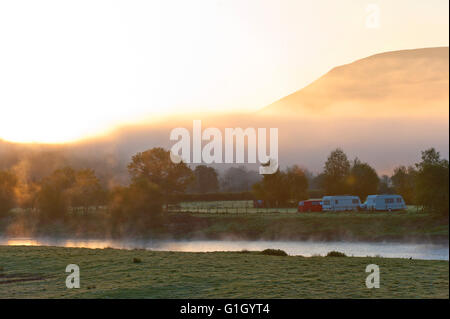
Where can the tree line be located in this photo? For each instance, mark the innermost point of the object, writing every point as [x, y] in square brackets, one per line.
[425, 184]
[156, 182]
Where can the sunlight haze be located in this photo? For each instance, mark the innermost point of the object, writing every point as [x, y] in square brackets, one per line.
[74, 69]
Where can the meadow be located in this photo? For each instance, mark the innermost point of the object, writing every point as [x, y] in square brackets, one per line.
[239, 219]
[39, 272]
[235, 219]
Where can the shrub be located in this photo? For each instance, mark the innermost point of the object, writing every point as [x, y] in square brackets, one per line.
[274, 252]
[336, 254]
[137, 260]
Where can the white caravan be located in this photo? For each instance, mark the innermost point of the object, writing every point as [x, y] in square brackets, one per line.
[340, 203]
[384, 202]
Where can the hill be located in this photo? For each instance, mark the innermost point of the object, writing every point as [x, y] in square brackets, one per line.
[407, 82]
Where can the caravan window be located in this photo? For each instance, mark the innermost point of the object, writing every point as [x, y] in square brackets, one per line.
[336, 201]
[399, 200]
[326, 202]
[355, 201]
[389, 200]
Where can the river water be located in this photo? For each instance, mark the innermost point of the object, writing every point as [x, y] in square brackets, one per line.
[304, 248]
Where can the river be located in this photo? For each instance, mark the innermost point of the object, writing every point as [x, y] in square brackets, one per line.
[304, 248]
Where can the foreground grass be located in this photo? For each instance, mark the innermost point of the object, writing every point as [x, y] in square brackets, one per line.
[39, 272]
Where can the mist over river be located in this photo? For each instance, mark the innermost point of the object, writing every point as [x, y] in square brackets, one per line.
[305, 248]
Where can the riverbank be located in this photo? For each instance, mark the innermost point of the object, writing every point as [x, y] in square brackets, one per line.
[362, 226]
[39, 272]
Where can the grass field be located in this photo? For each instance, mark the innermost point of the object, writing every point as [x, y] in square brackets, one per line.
[324, 226]
[39, 272]
[205, 223]
[240, 219]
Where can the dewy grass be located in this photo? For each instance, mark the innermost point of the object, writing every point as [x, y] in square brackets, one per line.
[109, 273]
[324, 226]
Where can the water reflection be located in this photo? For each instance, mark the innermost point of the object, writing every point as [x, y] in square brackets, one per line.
[305, 248]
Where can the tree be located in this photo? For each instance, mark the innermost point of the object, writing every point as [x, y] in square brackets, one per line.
[54, 194]
[430, 157]
[27, 194]
[282, 188]
[336, 171]
[363, 179]
[297, 183]
[86, 190]
[384, 187]
[432, 182]
[8, 183]
[140, 202]
[205, 179]
[272, 189]
[156, 166]
[239, 179]
[403, 182]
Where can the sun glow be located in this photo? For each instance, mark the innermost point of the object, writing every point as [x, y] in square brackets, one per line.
[74, 69]
[46, 127]
[33, 130]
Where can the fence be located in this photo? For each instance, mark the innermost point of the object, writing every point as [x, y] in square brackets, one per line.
[226, 207]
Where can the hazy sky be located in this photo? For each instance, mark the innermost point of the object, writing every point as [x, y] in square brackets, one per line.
[72, 68]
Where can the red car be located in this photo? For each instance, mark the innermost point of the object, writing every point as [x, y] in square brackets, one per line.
[310, 205]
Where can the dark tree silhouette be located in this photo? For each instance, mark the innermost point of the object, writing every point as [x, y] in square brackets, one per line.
[336, 171]
[403, 182]
[432, 182]
[206, 180]
[363, 180]
[156, 166]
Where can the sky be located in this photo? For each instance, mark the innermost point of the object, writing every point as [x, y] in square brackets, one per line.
[72, 69]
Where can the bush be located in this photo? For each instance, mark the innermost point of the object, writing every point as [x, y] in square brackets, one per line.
[274, 252]
[336, 254]
[137, 260]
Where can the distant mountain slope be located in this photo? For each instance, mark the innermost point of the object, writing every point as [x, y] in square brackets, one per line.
[413, 81]
[384, 109]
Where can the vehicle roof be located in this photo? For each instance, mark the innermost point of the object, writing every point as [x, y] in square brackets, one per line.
[383, 195]
[341, 196]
